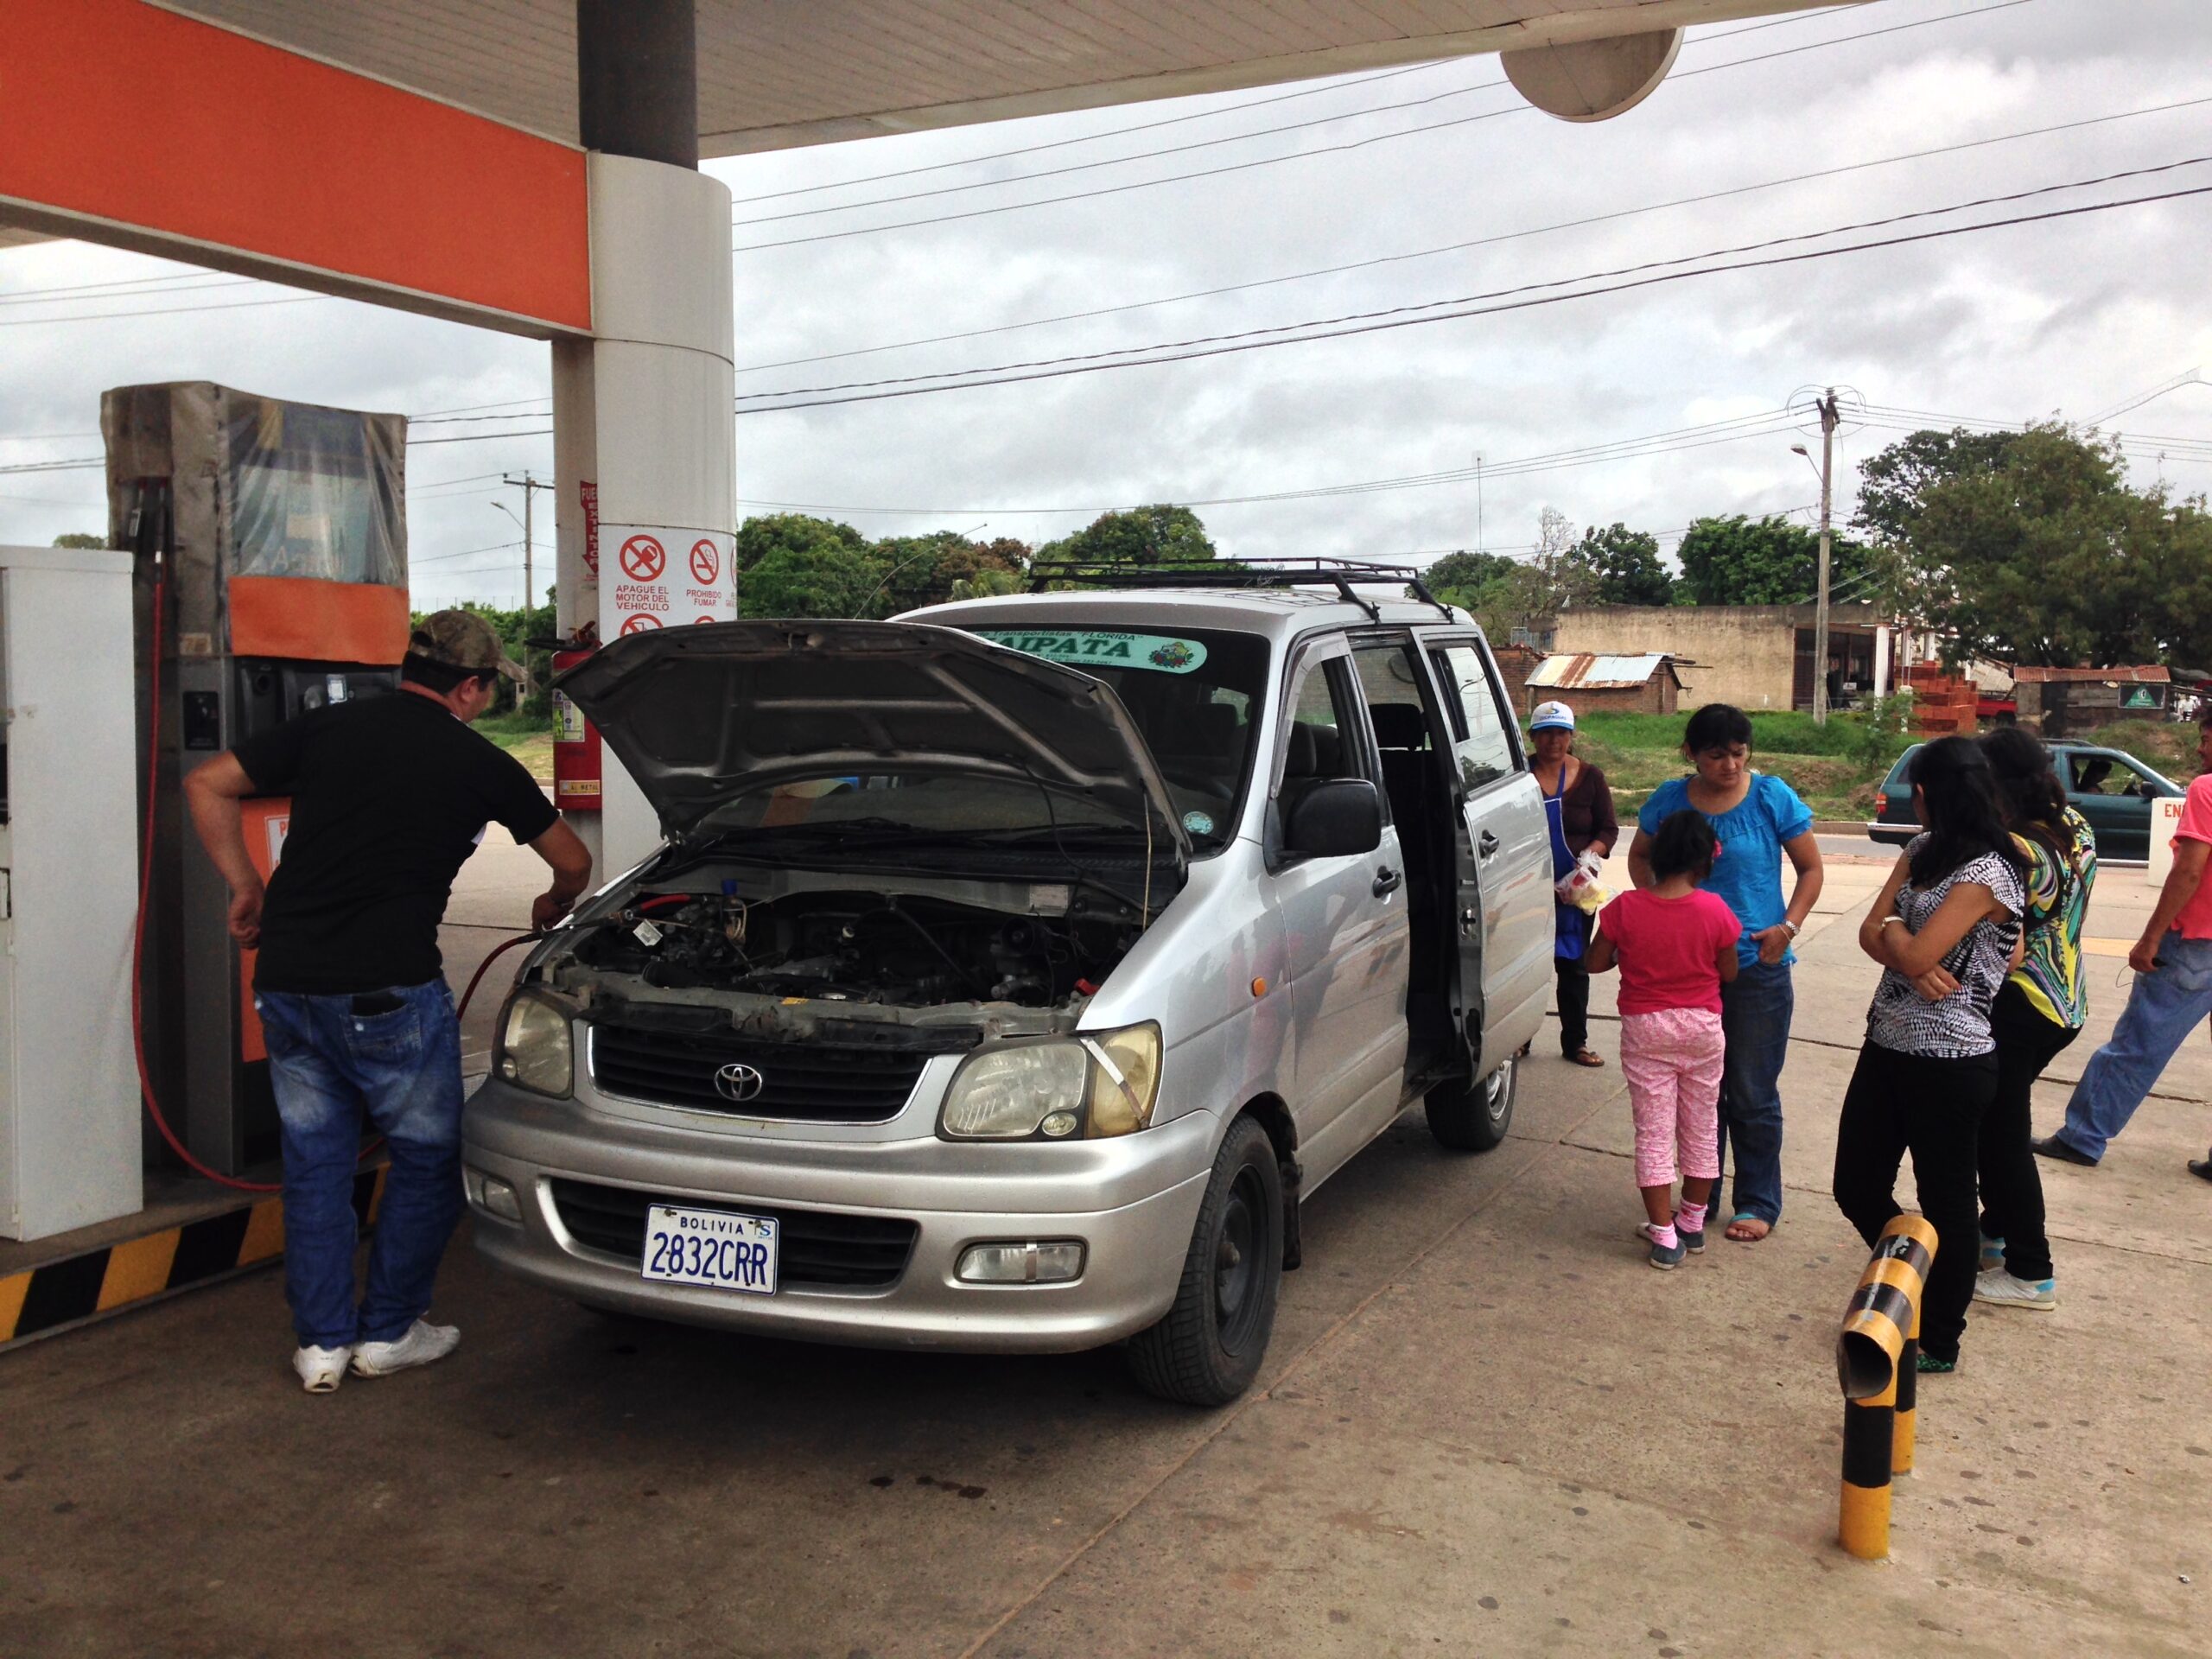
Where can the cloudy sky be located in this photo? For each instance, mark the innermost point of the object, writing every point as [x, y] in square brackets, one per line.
[1677, 387]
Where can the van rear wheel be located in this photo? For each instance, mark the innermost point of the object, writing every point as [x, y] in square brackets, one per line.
[1474, 1116]
[1208, 1349]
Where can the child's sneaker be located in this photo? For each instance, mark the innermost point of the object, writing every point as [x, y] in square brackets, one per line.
[2001, 1287]
[1667, 1257]
[1692, 1242]
[1992, 1254]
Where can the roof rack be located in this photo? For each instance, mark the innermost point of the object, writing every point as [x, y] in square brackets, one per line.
[1338, 574]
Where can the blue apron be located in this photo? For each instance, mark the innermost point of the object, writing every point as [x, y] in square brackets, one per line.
[1570, 926]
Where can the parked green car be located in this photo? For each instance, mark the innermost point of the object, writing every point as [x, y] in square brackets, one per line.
[2109, 787]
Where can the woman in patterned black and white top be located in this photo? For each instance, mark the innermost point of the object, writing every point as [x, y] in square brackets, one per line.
[1946, 928]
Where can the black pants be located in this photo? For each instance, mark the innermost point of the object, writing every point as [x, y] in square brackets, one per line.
[1574, 1005]
[2011, 1185]
[1933, 1109]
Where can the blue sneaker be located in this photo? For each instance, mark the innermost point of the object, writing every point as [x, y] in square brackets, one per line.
[1992, 1254]
[1667, 1258]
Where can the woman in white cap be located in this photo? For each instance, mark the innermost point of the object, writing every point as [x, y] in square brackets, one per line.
[1579, 806]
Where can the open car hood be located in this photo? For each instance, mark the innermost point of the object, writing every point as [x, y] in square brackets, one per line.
[697, 713]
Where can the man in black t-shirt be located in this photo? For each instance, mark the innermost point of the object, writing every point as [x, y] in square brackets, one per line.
[389, 795]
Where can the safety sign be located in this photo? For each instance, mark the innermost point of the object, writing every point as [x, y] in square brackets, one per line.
[664, 576]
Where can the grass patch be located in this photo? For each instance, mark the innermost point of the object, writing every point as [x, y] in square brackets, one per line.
[1838, 767]
[2165, 745]
[528, 738]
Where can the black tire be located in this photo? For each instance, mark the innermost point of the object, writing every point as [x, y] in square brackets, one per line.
[1474, 1116]
[1208, 1349]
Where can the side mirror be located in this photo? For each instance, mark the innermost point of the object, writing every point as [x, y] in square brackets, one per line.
[1334, 818]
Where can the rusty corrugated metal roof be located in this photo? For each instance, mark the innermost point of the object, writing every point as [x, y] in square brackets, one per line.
[2150, 674]
[1588, 671]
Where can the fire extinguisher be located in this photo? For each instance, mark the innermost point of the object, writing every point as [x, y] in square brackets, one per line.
[576, 742]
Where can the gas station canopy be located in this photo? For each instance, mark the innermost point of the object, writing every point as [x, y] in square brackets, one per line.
[775, 75]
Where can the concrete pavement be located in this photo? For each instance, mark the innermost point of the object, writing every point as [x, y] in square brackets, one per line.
[1485, 1427]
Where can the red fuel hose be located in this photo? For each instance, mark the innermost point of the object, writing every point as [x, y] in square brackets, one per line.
[138, 933]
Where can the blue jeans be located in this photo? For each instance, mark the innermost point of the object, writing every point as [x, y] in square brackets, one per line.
[401, 1065]
[2167, 1003]
[1755, 1012]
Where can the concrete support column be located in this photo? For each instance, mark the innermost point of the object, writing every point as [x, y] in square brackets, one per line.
[644, 428]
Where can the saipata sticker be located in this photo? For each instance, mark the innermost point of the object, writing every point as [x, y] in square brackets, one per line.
[1082, 647]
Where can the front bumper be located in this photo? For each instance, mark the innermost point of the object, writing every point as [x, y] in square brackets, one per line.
[1132, 1201]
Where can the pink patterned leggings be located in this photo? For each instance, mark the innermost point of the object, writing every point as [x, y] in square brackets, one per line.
[1672, 1061]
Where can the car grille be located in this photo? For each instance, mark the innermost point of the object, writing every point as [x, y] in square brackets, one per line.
[812, 1082]
[818, 1248]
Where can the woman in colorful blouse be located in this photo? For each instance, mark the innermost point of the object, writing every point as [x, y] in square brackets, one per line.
[1761, 822]
[2038, 1013]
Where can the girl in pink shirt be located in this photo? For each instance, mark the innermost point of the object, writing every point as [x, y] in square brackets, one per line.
[1675, 946]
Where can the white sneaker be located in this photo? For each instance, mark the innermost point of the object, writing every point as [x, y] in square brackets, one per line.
[424, 1343]
[321, 1369]
[2000, 1287]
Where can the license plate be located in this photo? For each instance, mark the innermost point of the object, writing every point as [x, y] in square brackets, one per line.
[712, 1247]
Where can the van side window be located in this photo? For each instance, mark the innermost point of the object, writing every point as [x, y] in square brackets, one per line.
[1482, 742]
[1390, 675]
[1327, 735]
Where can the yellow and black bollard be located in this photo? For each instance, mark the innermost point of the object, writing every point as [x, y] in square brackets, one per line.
[1876, 1356]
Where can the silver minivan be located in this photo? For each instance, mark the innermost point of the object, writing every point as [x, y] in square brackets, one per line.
[1011, 971]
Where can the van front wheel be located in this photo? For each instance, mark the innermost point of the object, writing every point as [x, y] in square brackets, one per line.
[1208, 1349]
[1474, 1116]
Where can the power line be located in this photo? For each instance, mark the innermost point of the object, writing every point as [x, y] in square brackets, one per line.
[164, 311]
[1350, 144]
[1331, 327]
[1483, 241]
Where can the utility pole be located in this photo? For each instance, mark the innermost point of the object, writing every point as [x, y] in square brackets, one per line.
[1479, 501]
[529, 487]
[1827, 406]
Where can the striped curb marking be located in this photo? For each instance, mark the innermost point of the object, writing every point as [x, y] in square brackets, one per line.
[117, 1276]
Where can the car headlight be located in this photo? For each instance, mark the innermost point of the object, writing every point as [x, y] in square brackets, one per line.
[535, 1050]
[1074, 1088]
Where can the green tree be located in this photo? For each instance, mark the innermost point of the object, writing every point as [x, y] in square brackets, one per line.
[80, 538]
[1624, 565]
[1769, 561]
[794, 532]
[1160, 534]
[925, 569]
[1891, 484]
[1464, 574]
[2047, 557]
[824, 579]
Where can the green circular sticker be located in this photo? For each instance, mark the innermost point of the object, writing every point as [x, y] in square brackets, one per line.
[1198, 823]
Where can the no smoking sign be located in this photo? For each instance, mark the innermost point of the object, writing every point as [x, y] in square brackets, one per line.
[706, 561]
[644, 558]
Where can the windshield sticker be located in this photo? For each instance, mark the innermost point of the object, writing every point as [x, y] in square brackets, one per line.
[1084, 646]
[1198, 823]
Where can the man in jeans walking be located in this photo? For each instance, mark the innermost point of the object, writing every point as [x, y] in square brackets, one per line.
[388, 796]
[2172, 996]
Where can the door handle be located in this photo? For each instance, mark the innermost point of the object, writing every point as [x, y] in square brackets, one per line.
[1386, 881]
[1487, 845]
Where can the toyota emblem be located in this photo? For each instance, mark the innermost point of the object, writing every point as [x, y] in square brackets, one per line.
[740, 1083]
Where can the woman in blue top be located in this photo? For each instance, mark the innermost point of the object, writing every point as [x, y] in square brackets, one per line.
[1760, 820]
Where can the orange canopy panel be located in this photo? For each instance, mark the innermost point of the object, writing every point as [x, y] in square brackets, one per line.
[142, 120]
[319, 622]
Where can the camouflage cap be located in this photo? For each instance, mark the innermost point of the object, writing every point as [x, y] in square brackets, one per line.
[460, 640]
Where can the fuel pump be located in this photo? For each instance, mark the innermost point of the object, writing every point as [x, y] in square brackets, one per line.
[269, 578]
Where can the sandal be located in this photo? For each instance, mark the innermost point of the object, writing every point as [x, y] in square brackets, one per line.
[1742, 1218]
[1586, 1056]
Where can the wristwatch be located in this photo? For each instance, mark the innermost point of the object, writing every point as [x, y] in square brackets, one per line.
[1791, 925]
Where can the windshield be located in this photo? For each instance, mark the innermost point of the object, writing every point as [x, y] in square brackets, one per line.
[1194, 694]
